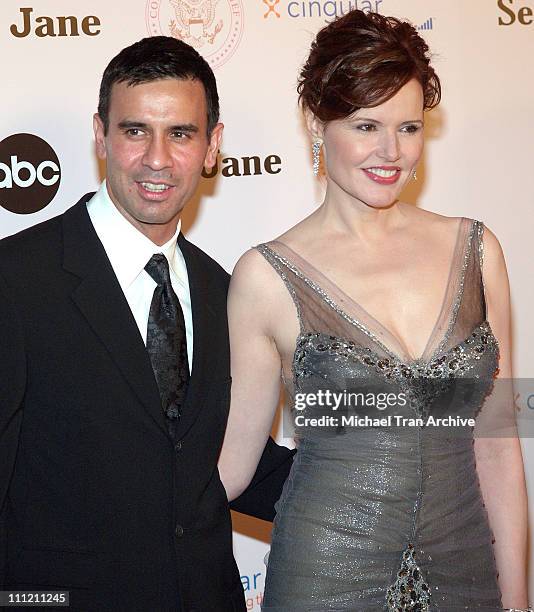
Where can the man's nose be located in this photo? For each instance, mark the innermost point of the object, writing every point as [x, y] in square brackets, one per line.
[157, 155]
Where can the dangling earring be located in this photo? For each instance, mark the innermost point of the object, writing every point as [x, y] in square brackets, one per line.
[316, 148]
[414, 175]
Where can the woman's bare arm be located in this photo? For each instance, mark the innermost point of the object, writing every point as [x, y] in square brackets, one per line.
[256, 368]
[499, 459]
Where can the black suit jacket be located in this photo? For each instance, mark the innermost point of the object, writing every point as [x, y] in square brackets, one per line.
[95, 497]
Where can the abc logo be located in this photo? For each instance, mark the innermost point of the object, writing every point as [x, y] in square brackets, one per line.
[29, 173]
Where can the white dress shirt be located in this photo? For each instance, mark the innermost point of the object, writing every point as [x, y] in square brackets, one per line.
[129, 251]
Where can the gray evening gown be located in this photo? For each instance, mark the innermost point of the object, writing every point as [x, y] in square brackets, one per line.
[386, 518]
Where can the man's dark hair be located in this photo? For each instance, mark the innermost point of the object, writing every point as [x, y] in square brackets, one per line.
[153, 58]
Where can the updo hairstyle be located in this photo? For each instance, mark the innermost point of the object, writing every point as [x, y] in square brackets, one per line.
[362, 60]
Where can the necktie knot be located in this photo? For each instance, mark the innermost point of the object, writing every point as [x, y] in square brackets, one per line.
[158, 268]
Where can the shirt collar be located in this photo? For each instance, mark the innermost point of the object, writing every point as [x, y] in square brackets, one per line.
[127, 248]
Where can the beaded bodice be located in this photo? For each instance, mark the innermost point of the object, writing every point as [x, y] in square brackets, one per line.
[340, 346]
[332, 325]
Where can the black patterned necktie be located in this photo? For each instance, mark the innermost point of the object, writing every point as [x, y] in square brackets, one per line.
[166, 342]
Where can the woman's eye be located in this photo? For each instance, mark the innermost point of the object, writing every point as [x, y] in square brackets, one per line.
[411, 129]
[366, 127]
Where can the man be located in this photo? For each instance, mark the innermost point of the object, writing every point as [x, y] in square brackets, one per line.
[114, 367]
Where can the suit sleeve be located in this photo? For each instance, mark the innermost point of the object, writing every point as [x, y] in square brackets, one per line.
[12, 383]
[264, 491]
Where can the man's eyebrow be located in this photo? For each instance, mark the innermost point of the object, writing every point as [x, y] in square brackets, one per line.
[184, 127]
[189, 128]
[125, 125]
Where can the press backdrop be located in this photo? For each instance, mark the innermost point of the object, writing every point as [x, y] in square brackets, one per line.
[478, 161]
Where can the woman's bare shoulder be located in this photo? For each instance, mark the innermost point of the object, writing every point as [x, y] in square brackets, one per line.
[252, 270]
[255, 276]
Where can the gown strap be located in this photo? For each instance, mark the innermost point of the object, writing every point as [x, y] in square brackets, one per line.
[287, 273]
[479, 243]
[321, 308]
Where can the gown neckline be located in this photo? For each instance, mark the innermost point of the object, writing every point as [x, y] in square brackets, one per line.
[448, 308]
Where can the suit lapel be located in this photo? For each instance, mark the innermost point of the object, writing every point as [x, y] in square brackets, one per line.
[204, 354]
[102, 302]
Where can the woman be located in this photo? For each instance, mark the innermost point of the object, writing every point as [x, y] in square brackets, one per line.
[369, 292]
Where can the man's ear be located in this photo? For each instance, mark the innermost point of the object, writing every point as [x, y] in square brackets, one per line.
[98, 129]
[314, 125]
[214, 145]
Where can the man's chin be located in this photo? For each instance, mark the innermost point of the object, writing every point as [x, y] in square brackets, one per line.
[158, 217]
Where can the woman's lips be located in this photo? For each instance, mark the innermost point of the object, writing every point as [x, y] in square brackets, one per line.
[383, 175]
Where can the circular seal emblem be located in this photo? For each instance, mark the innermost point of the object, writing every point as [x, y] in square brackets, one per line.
[213, 27]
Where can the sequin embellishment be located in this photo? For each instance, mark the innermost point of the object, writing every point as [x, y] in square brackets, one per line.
[409, 591]
[422, 381]
[451, 363]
